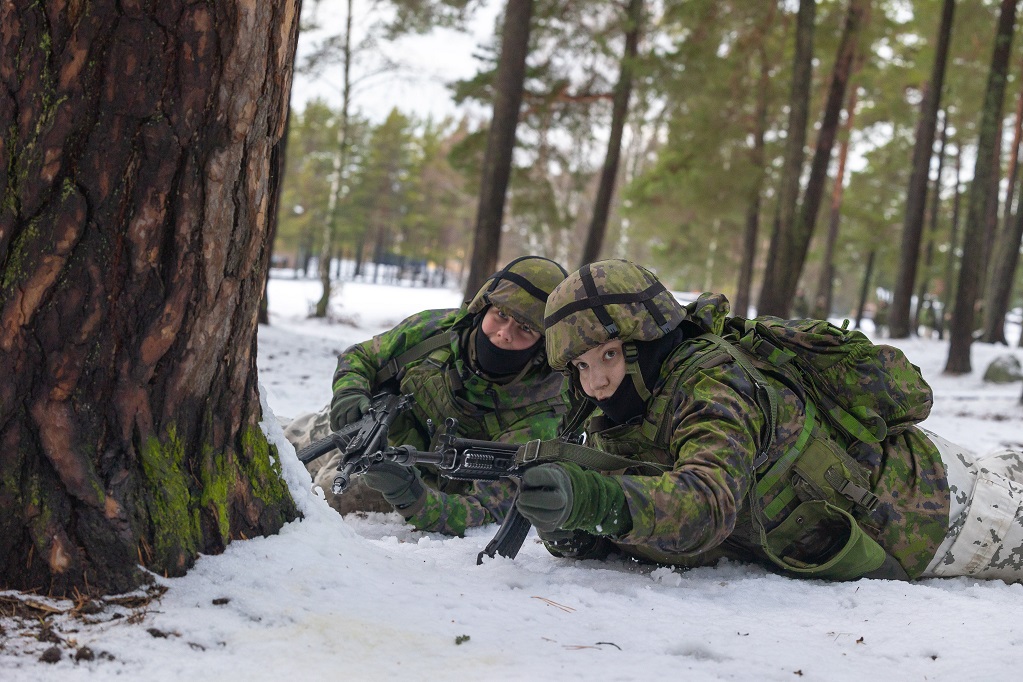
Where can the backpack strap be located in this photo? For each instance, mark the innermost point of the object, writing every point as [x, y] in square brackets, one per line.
[396, 364]
[767, 396]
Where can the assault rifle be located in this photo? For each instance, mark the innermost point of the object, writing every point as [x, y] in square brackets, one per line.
[364, 443]
[461, 459]
[358, 440]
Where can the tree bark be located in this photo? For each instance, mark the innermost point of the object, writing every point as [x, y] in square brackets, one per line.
[619, 114]
[1001, 276]
[795, 153]
[916, 195]
[330, 226]
[961, 327]
[925, 279]
[757, 163]
[141, 153]
[497, 159]
[1005, 252]
[794, 239]
[822, 300]
[868, 276]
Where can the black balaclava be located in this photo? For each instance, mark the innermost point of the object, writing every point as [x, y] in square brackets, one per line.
[626, 404]
[500, 362]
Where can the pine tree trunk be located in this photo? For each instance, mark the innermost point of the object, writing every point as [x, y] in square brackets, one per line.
[796, 240]
[497, 160]
[822, 300]
[962, 325]
[916, 195]
[868, 276]
[771, 300]
[925, 278]
[619, 113]
[752, 223]
[141, 153]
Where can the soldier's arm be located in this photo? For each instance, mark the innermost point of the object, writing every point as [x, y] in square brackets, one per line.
[716, 430]
[357, 366]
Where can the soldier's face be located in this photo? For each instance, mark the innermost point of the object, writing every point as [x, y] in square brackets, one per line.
[506, 332]
[601, 369]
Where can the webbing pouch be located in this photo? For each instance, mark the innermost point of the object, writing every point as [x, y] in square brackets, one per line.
[824, 471]
[848, 552]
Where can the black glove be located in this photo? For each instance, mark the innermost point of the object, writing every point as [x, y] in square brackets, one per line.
[347, 407]
[567, 497]
[401, 486]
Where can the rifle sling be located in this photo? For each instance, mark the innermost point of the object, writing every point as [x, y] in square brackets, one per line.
[546, 451]
[421, 349]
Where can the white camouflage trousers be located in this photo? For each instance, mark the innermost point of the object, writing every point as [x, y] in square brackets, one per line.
[985, 534]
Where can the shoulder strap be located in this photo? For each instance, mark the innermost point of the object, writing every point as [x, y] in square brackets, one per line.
[393, 366]
[765, 392]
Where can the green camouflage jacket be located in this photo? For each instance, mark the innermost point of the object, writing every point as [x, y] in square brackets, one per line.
[444, 385]
[708, 426]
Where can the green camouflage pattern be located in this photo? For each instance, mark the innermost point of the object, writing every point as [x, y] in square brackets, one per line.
[443, 385]
[704, 420]
[580, 331]
[511, 298]
[869, 390]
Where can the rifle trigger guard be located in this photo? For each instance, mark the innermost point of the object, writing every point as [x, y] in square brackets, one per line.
[531, 451]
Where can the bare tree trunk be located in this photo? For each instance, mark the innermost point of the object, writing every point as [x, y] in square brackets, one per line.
[1005, 251]
[868, 275]
[798, 239]
[619, 113]
[330, 226]
[1001, 276]
[794, 239]
[138, 197]
[916, 195]
[822, 301]
[925, 279]
[497, 160]
[961, 328]
[795, 153]
[752, 228]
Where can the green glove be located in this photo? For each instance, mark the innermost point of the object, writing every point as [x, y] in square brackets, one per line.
[567, 497]
[347, 407]
[401, 486]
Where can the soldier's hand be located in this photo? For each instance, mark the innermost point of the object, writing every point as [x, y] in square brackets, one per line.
[347, 407]
[401, 486]
[545, 497]
[566, 496]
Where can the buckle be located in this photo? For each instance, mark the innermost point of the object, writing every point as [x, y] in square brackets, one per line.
[531, 451]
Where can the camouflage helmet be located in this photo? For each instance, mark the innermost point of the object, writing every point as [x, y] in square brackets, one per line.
[520, 289]
[609, 299]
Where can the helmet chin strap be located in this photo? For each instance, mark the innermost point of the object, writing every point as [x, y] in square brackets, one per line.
[633, 370]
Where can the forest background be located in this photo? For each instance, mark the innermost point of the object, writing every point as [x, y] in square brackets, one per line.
[845, 157]
[822, 154]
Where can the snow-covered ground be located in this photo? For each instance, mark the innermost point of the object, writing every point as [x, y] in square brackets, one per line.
[370, 599]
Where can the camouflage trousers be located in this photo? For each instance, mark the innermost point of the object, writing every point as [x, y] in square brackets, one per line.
[985, 535]
[311, 427]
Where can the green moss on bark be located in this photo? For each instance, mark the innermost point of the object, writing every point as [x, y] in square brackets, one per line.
[174, 523]
[263, 470]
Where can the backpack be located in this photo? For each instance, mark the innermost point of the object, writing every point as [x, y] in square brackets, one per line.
[867, 391]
